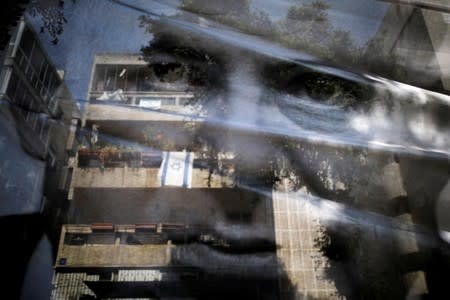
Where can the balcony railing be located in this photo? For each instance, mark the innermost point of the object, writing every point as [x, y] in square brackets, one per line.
[88, 158]
[118, 159]
[137, 234]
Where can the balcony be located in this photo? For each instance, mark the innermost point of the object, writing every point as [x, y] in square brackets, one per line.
[114, 255]
[134, 169]
[108, 245]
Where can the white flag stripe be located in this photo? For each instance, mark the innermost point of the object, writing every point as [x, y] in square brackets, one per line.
[176, 169]
[188, 172]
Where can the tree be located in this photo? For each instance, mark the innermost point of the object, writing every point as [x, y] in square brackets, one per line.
[307, 26]
[315, 11]
[199, 60]
[235, 13]
[343, 47]
[216, 8]
[52, 16]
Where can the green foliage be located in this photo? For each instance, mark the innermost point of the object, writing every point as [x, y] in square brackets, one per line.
[200, 61]
[216, 8]
[315, 11]
[52, 16]
[234, 13]
[306, 27]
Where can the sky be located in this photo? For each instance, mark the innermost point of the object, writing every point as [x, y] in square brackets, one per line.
[361, 17]
[105, 27]
[93, 27]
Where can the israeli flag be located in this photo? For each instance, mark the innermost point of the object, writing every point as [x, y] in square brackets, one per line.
[176, 169]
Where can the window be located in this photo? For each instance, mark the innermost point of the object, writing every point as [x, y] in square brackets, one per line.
[46, 130]
[27, 42]
[185, 101]
[132, 78]
[126, 77]
[121, 76]
[110, 78]
[47, 81]
[53, 84]
[101, 238]
[150, 103]
[43, 72]
[99, 78]
[144, 79]
[39, 125]
[33, 78]
[169, 101]
[239, 217]
[76, 239]
[20, 59]
[12, 86]
[37, 59]
[21, 95]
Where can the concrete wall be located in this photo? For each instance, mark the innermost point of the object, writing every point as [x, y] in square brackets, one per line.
[296, 229]
[114, 255]
[123, 59]
[420, 41]
[200, 206]
[111, 112]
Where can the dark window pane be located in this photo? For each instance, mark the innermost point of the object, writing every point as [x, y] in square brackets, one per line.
[42, 91]
[20, 60]
[32, 105]
[33, 79]
[132, 76]
[99, 78]
[39, 125]
[101, 238]
[48, 77]
[144, 79]
[46, 130]
[121, 77]
[168, 101]
[43, 71]
[184, 101]
[26, 44]
[20, 97]
[110, 78]
[75, 239]
[53, 84]
[37, 59]
[13, 82]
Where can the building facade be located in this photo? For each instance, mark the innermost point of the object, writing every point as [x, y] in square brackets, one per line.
[154, 214]
[415, 34]
[38, 135]
[40, 119]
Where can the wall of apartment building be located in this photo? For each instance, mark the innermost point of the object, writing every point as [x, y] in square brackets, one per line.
[31, 92]
[418, 40]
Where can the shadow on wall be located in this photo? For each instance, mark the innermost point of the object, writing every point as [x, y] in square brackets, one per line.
[424, 180]
[248, 273]
[20, 239]
[376, 260]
